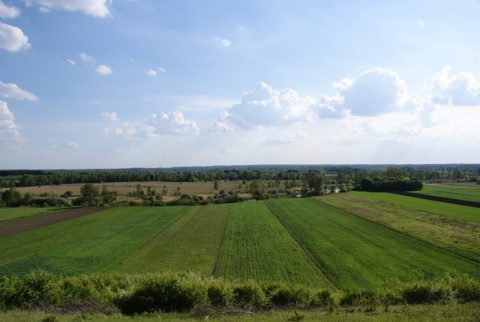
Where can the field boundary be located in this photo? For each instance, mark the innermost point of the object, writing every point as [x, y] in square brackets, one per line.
[439, 199]
[11, 228]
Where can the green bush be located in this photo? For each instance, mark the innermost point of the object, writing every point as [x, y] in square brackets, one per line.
[249, 294]
[280, 294]
[426, 293]
[365, 299]
[220, 293]
[322, 298]
[167, 293]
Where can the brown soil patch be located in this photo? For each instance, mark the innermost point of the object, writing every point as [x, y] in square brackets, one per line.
[20, 226]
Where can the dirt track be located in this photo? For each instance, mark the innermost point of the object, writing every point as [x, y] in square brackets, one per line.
[441, 199]
[20, 226]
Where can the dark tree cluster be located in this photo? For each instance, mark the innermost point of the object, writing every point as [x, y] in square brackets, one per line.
[391, 184]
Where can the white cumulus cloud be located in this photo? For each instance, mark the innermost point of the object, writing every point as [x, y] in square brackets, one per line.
[95, 8]
[459, 89]
[104, 70]
[8, 128]
[173, 123]
[8, 11]
[11, 90]
[376, 91]
[12, 38]
[266, 106]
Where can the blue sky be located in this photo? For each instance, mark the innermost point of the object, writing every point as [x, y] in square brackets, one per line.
[144, 83]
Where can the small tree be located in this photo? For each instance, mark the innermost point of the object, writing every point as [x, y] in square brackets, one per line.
[257, 189]
[90, 195]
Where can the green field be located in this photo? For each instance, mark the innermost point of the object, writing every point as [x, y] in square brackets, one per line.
[10, 213]
[302, 241]
[359, 254]
[192, 243]
[456, 236]
[85, 245]
[458, 212]
[463, 192]
[257, 246]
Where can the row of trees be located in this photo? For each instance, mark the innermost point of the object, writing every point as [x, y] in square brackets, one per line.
[337, 174]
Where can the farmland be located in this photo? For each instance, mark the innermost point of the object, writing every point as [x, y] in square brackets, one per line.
[303, 241]
[353, 241]
[469, 192]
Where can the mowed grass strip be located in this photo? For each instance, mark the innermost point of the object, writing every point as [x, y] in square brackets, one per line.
[469, 193]
[454, 235]
[88, 244]
[257, 246]
[465, 213]
[359, 254]
[191, 244]
[17, 213]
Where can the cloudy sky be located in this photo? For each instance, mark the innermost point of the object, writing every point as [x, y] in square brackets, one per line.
[149, 83]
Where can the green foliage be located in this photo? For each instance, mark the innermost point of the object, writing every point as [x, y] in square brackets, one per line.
[139, 294]
[248, 295]
[258, 189]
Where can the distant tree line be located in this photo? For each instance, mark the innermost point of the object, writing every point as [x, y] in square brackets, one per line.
[339, 174]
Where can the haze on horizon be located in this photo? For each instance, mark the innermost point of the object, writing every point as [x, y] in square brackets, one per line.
[146, 83]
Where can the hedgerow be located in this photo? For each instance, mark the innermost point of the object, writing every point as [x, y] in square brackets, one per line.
[186, 292]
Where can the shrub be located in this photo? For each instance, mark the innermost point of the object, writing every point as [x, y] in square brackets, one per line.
[426, 293]
[364, 299]
[166, 293]
[280, 294]
[35, 287]
[249, 294]
[466, 289]
[220, 293]
[322, 298]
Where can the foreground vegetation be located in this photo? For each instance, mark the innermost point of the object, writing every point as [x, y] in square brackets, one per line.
[150, 293]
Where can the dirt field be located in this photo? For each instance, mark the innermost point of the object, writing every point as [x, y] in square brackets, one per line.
[20, 226]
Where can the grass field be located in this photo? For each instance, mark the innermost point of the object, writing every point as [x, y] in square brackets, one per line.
[451, 234]
[192, 243]
[359, 254]
[302, 241]
[10, 213]
[257, 246]
[464, 213]
[464, 192]
[85, 245]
